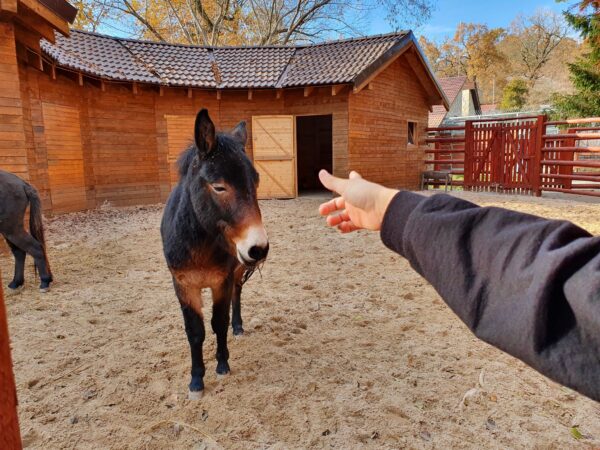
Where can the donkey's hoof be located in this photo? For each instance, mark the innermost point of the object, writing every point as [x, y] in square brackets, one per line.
[44, 289]
[238, 330]
[15, 286]
[223, 368]
[195, 395]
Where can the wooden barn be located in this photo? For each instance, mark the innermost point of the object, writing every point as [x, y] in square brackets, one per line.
[90, 119]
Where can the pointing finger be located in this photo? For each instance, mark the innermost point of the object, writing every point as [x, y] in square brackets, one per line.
[333, 183]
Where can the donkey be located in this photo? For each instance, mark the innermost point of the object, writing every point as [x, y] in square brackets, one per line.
[15, 196]
[213, 236]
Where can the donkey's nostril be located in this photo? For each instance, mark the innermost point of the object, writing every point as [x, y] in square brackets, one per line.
[258, 253]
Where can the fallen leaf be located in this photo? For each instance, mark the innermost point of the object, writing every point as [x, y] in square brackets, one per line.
[576, 433]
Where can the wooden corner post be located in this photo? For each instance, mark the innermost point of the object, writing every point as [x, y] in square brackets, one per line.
[538, 156]
[468, 159]
[10, 437]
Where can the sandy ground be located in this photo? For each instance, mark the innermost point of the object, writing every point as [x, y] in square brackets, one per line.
[345, 347]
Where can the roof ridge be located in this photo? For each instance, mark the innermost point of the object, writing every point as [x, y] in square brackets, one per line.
[284, 72]
[219, 47]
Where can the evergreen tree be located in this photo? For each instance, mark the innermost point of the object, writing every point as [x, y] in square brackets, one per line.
[514, 96]
[585, 72]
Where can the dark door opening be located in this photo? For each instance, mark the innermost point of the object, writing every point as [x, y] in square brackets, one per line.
[314, 135]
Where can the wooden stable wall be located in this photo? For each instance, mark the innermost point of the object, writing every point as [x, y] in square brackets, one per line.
[86, 143]
[378, 142]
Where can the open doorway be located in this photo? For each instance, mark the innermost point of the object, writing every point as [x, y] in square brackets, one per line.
[314, 135]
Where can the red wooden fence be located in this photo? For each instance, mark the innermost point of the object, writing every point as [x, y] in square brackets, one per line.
[522, 155]
[10, 438]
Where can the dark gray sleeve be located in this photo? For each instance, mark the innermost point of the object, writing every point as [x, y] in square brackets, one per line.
[527, 285]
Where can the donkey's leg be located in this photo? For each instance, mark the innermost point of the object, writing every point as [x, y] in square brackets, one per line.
[236, 318]
[220, 323]
[29, 244]
[194, 328]
[19, 278]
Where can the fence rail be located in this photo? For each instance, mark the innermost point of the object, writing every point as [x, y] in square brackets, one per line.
[522, 155]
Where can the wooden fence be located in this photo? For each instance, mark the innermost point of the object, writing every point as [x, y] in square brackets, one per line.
[526, 155]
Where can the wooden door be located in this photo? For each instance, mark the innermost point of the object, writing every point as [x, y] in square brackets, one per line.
[65, 157]
[180, 134]
[274, 154]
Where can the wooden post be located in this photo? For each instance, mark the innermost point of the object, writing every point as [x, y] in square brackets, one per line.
[249, 94]
[468, 164]
[10, 437]
[80, 78]
[190, 93]
[568, 156]
[536, 173]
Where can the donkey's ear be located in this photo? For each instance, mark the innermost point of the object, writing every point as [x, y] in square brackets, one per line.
[204, 133]
[239, 133]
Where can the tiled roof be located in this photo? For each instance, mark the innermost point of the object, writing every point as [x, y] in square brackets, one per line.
[98, 55]
[336, 62]
[120, 59]
[451, 86]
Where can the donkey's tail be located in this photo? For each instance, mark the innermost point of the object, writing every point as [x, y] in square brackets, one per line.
[36, 224]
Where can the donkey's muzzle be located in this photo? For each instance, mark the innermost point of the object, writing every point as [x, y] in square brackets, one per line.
[258, 252]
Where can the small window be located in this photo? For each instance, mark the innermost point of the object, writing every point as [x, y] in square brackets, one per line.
[412, 133]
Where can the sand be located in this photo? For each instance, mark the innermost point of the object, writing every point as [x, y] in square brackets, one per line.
[345, 347]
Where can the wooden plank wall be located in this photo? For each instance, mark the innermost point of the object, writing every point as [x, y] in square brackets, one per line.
[13, 144]
[65, 157]
[378, 127]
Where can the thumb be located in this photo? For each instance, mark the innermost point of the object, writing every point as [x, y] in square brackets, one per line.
[332, 183]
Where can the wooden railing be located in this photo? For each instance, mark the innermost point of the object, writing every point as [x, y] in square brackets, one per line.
[522, 155]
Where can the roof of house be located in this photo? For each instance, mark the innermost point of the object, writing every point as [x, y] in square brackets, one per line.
[328, 63]
[452, 86]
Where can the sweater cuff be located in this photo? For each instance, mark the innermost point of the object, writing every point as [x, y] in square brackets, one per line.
[395, 218]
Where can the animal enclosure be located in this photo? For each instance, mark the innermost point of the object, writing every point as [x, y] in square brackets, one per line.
[102, 120]
[352, 351]
[524, 155]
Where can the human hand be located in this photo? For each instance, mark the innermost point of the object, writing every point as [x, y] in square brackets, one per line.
[361, 204]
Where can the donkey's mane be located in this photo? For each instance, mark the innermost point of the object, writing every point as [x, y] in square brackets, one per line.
[186, 159]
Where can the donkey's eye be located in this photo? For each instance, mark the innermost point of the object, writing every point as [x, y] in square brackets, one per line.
[218, 188]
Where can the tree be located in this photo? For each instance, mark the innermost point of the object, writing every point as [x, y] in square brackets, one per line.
[585, 72]
[217, 22]
[514, 96]
[537, 37]
[90, 15]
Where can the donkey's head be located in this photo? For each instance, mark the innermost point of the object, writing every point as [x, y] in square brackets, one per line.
[222, 183]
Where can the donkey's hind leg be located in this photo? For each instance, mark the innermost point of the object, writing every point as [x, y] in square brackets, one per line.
[220, 323]
[19, 278]
[29, 244]
[194, 329]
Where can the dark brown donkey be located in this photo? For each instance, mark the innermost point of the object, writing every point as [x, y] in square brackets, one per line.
[213, 236]
[15, 196]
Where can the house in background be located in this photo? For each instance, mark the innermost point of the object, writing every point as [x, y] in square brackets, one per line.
[463, 96]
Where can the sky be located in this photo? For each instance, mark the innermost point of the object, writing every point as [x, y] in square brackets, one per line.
[448, 14]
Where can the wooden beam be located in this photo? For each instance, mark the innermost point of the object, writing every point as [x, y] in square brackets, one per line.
[80, 78]
[9, 421]
[102, 86]
[279, 93]
[40, 62]
[134, 87]
[161, 91]
[335, 90]
[8, 8]
[28, 38]
[249, 94]
[53, 71]
[34, 24]
[218, 94]
[370, 86]
[48, 15]
[190, 93]
[308, 91]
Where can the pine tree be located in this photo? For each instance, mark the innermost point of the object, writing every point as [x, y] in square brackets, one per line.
[585, 72]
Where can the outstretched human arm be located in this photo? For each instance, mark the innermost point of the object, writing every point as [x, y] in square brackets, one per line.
[527, 285]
